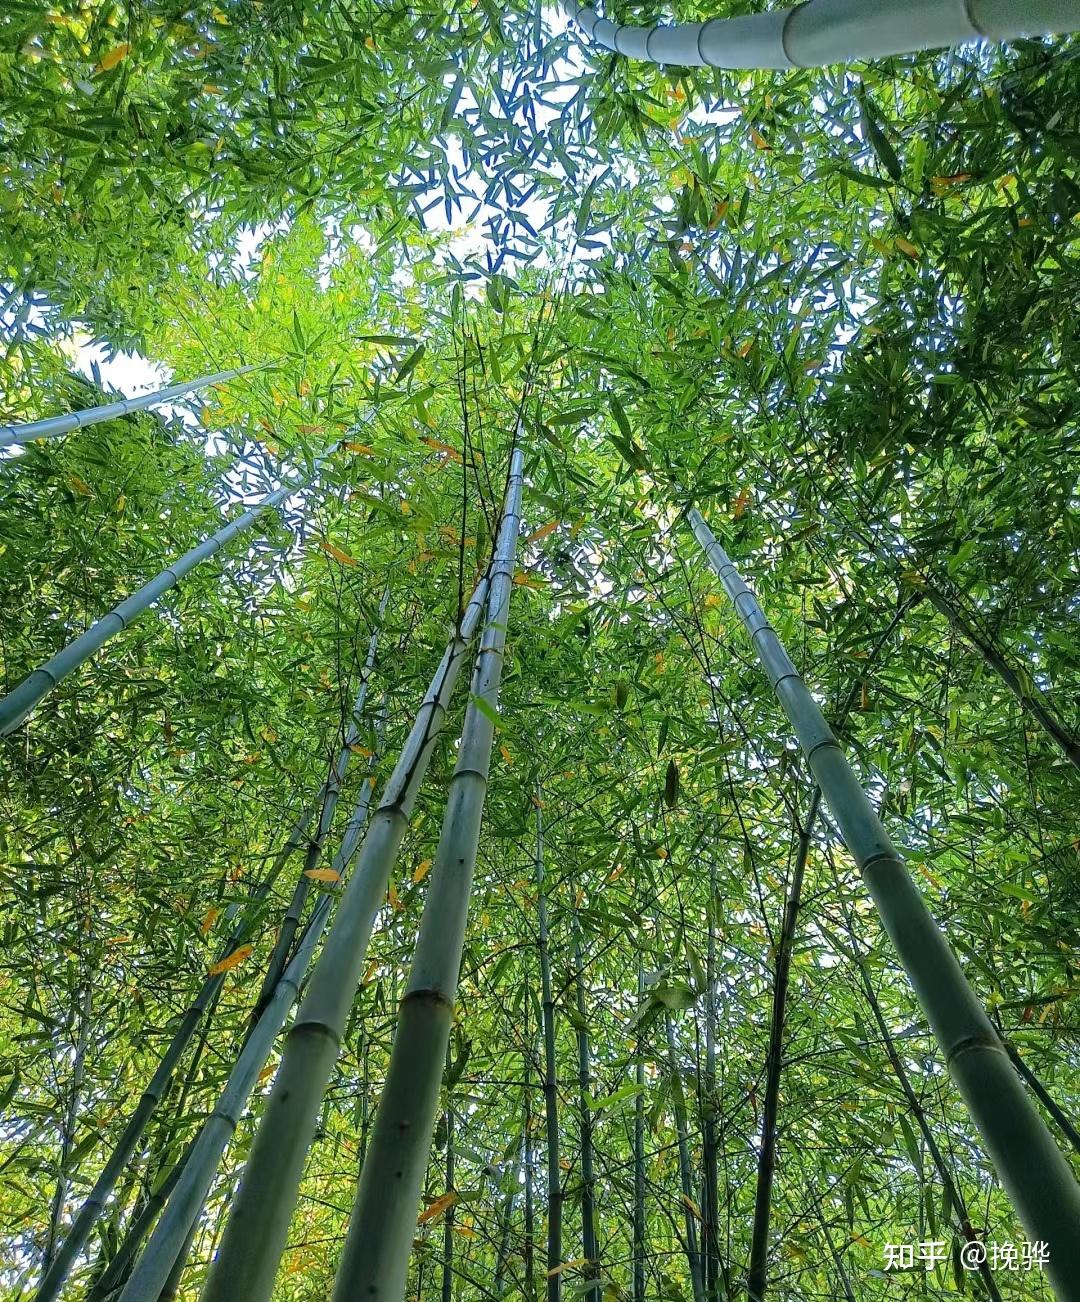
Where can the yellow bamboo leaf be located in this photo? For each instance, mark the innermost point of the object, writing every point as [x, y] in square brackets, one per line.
[230, 960]
[712, 600]
[906, 246]
[113, 57]
[323, 875]
[759, 140]
[744, 349]
[266, 1073]
[361, 750]
[361, 448]
[543, 533]
[212, 915]
[118, 940]
[80, 486]
[437, 1208]
[568, 1265]
[342, 557]
[422, 870]
[392, 896]
[689, 1202]
[740, 502]
[506, 755]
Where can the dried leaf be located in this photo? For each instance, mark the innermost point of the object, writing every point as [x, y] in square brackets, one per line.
[230, 960]
[116, 55]
[440, 1205]
[422, 870]
[212, 915]
[323, 875]
[543, 533]
[343, 557]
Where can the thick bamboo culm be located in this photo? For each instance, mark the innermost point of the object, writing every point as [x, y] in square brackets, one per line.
[1032, 1169]
[255, 1235]
[53, 427]
[18, 703]
[828, 31]
[378, 1246]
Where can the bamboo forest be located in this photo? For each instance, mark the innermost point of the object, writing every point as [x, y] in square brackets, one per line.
[540, 705]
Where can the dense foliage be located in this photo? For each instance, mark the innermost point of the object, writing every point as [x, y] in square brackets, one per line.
[833, 308]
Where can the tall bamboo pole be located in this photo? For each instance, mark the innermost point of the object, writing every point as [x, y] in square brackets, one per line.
[774, 1064]
[67, 1140]
[693, 1256]
[376, 1257]
[52, 427]
[590, 1247]
[167, 1243]
[551, 1079]
[638, 1227]
[330, 794]
[18, 703]
[1049, 1103]
[1032, 1168]
[1051, 724]
[828, 31]
[258, 1225]
[87, 1216]
[710, 1229]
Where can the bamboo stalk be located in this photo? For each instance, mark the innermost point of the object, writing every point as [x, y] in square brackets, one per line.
[51, 427]
[710, 1229]
[1049, 1103]
[590, 1248]
[1054, 728]
[167, 1244]
[68, 1134]
[551, 1080]
[638, 1227]
[258, 1225]
[827, 31]
[18, 703]
[774, 1063]
[330, 793]
[53, 1279]
[376, 1257]
[693, 1256]
[1034, 1172]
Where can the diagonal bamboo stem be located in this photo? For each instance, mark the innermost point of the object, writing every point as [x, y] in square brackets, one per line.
[1033, 1170]
[52, 427]
[375, 1261]
[828, 31]
[168, 1241]
[35, 686]
[87, 1216]
[255, 1235]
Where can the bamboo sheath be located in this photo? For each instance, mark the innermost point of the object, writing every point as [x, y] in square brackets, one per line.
[54, 1277]
[821, 32]
[52, 427]
[1032, 1169]
[189, 1196]
[258, 1225]
[375, 1261]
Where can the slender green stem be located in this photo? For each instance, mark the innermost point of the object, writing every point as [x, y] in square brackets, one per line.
[376, 1257]
[1033, 1170]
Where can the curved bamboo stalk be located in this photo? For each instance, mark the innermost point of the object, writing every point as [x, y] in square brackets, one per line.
[18, 703]
[828, 31]
[1033, 1170]
[52, 427]
[690, 1238]
[375, 1261]
[167, 1243]
[258, 1224]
